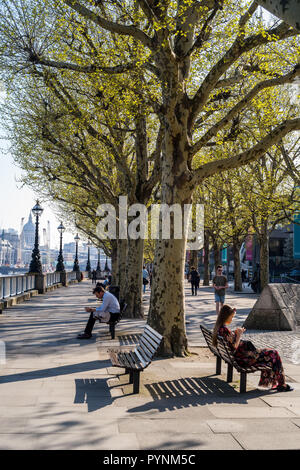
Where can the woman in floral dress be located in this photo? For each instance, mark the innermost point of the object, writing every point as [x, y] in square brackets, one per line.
[246, 353]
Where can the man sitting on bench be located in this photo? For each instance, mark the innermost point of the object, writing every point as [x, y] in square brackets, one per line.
[108, 311]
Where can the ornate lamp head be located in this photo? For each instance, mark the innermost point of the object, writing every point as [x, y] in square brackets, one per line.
[37, 210]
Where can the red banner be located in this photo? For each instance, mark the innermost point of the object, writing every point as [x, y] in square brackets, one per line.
[249, 244]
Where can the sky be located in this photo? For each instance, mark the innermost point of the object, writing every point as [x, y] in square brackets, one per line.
[17, 201]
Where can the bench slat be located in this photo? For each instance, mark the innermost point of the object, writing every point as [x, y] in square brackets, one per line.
[147, 357]
[155, 334]
[149, 333]
[123, 360]
[131, 363]
[147, 346]
[138, 365]
[155, 343]
[144, 363]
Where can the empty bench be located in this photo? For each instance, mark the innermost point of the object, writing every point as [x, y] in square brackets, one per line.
[222, 351]
[135, 361]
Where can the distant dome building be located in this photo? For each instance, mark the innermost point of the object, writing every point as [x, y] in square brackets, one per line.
[27, 241]
[28, 234]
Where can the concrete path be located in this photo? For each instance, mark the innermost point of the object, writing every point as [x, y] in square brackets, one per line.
[57, 392]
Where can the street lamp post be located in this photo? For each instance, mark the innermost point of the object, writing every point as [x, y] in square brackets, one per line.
[60, 260]
[98, 269]
[88, 264]
[35, 264]
[76, 264]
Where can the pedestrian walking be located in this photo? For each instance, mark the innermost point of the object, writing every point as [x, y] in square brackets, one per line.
[244, 276]
[220, 284]
[94, 276]
[145, 279]
[195, 279]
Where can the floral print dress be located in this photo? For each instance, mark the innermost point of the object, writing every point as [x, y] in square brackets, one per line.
[254, 357]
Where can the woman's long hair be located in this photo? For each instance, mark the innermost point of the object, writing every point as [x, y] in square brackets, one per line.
[223, 316]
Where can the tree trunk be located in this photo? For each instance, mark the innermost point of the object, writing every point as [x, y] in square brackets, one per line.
[114, 263]
[264, 256]
[217, 256]
[166, 313]
[238, 286]
[122, 259]
[206, 276]
[167, 296]
[133, 286]
[193, 259]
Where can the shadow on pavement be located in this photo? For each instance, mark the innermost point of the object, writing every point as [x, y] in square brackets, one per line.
[55, 371]
[94, 392]
[192, 392]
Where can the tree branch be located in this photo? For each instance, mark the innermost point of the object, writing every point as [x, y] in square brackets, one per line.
[110, 25]
[117, 69]
[240, 46]
[248, 156]
[288, 78]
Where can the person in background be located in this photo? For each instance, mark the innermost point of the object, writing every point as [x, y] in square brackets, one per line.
[94, 276]
[194, 275]
[108, 311]
[246, 354]
[145, 279]
[220, 285]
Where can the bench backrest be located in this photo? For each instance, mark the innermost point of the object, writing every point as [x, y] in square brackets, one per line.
[149, 343]
[208, 338]
[122, 311]
[222, 349]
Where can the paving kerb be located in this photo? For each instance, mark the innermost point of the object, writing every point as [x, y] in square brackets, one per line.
[61, 393]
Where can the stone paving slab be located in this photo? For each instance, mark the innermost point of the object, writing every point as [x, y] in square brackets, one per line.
[288, 402]
[269, 441]
[203, 441]
[171, 426]
[250, 425]
[90, 441]
[244, 411]
[18, 441]
[53, 425]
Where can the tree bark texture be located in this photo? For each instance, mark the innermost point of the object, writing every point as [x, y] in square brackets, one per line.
[133, 283]
[122, 260]
[238, 287]
[206, 276]
[264, 256]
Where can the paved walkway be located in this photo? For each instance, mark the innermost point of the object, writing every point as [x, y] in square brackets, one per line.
[57, 392]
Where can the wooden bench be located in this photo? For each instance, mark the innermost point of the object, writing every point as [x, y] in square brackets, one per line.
[222, 351]
[135, 361]
[116, 317]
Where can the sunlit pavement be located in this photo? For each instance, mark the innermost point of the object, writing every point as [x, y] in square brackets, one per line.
[57, 392]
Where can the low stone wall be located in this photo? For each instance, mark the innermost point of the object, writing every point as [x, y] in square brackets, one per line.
[17, 299]
[40, 287]
[278, 308]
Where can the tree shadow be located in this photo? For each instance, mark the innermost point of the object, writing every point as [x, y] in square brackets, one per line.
[55, 371]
